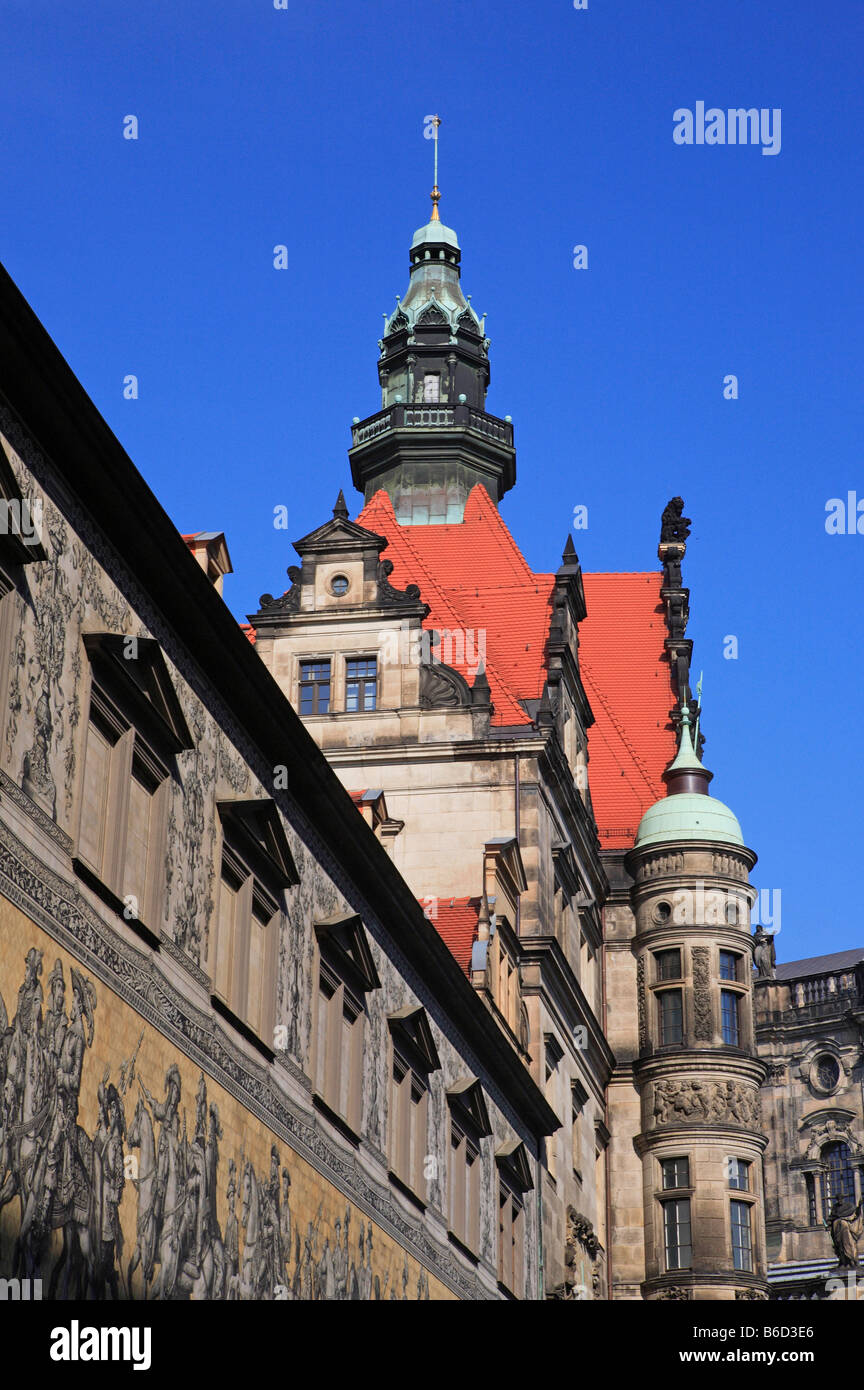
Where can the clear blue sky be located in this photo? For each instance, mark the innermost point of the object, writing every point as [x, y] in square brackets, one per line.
[303, 127]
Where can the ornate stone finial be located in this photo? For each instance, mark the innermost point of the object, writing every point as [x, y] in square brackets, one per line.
[674, 526]
[436, 193]
[341, 508]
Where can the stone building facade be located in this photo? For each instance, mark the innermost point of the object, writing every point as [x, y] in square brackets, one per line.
[236, 1059]
[809, 1016]
[390, 945]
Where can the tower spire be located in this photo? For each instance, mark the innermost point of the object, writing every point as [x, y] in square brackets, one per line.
[436, 192]
[687, 772]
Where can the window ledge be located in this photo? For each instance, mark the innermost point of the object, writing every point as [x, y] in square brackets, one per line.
[335, 1119]
[463, 1248]
[508, 1293]
[406, 1190]
[242, 1028]
[110, 898]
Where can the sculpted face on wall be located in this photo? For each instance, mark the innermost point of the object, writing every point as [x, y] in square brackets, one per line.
[60, 1179]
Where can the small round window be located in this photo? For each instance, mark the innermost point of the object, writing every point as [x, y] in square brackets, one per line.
[339, 585]
[826, 1072]
[662, 912]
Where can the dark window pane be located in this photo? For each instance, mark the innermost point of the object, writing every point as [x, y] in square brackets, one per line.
[668, 965]
[671, 1016]
[676, 1230]
[837, 1181]
[676, 1172]
[729, 1015]
[742, 1248]
[728, 965]
[739, 1174]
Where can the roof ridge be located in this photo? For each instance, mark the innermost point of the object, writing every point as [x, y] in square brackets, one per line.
[487, 508]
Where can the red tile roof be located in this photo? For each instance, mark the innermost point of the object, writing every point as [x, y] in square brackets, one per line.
[456, 921]
[250, 632]
[626, 677]
[476, 581]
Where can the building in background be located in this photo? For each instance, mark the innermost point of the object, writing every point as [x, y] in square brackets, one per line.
[520, 726]
[810, 1030]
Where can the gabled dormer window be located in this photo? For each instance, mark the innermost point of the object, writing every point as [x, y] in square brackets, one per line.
[414, 1056]
[469, 1126]
[257, 868]
[134, 730]
[346, 974]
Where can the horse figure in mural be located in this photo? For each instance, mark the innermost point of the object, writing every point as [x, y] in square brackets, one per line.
[141, 1137]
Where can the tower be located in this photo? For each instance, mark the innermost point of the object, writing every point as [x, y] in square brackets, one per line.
[697, 1073]
[433, 440]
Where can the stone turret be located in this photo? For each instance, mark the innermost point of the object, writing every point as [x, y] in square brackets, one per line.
[697, 1072]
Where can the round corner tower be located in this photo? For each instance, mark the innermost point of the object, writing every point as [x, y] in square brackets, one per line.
[697, 1072]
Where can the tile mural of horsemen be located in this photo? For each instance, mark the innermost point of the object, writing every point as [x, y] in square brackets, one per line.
[67, 1181]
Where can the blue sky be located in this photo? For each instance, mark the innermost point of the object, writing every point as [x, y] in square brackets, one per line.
[304, 127]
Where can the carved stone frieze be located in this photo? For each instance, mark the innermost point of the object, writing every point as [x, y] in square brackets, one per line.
[706, 1102]
[656, 865]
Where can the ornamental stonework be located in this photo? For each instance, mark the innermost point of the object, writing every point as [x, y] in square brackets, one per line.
[705, 1102]
[702, 1011]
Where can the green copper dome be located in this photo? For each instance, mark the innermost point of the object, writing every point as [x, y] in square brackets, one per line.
[688, 816]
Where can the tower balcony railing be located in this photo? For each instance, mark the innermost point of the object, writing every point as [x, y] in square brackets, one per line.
[426, 416]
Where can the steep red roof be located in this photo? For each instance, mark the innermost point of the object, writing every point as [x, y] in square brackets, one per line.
[626, 678]
[476, 581]
[456, 922]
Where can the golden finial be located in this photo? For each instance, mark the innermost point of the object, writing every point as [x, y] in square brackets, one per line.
[436, 193]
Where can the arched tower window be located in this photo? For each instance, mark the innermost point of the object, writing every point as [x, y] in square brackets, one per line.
[837, 1180]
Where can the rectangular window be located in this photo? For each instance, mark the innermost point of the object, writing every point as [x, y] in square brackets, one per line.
[314, 687]
[511, 1217]
[94, 801]
[729, 965]
[409, 1127]
[811, 1199]
[431, 387]
[464, 1187]
[729, 1011]
[576, 1137]
[123, 800]
[671, 1006]
[742, 1241]
[676, 1172]
[338, 1060]
[551, 1093]
[243, 947]
[739, 1174]
[676, 1234]
[361, 684]
[668, 965]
